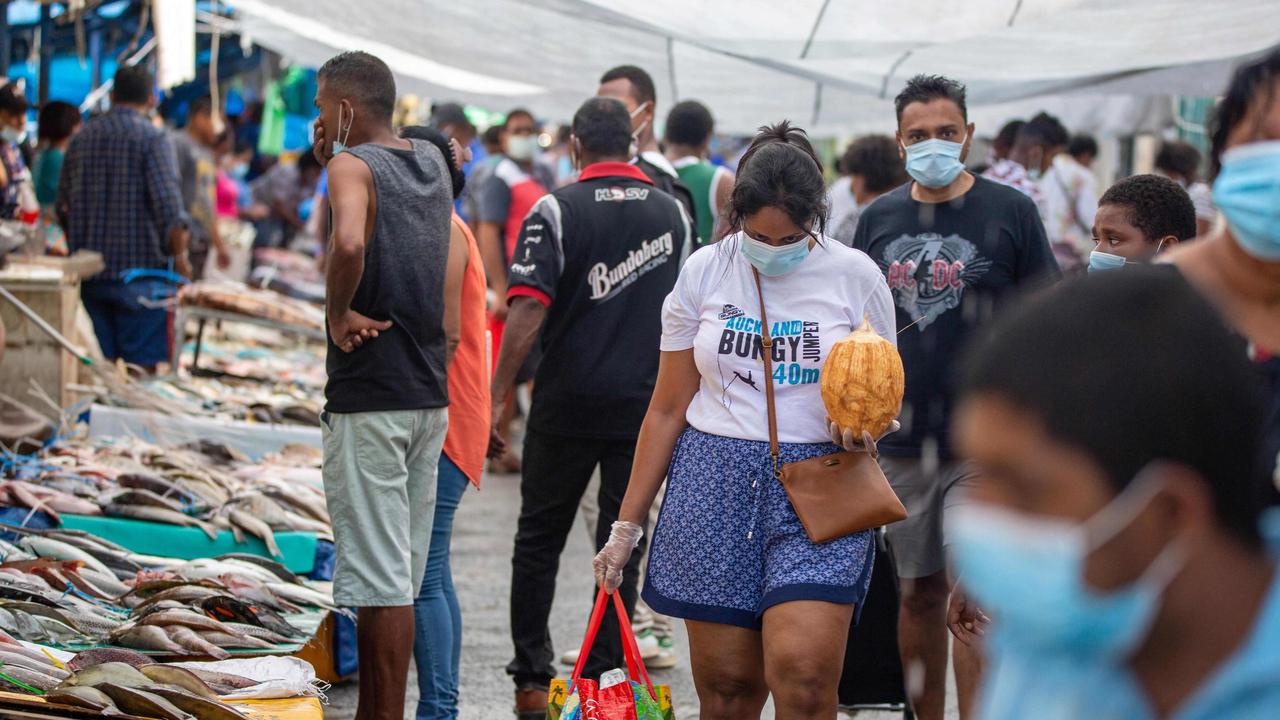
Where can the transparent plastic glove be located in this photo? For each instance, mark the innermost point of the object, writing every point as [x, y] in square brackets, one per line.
[623, 538]
[845, 439]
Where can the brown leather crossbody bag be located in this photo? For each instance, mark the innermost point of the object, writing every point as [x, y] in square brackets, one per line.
[833, 495]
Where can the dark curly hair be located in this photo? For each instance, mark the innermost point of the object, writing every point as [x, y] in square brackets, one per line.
[1252, 82]
[780, 169]
[875, 159]
[1156, 205]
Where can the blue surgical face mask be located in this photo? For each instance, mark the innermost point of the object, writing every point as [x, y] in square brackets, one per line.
[239, 171]
[1029, 573]
[1247, 192]
[774, 260]
[934, 163]
[1099, 261]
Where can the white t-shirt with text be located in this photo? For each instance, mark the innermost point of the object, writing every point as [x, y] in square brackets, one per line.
[715, 310]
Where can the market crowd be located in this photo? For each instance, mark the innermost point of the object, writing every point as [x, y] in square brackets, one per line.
[1086, 449]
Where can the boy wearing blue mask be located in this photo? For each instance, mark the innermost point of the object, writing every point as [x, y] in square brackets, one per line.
[1138, 218]
[1115, 537]
[952, 247]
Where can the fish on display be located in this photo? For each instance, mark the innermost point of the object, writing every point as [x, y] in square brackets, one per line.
[159, 515]
[178, 677]
[233, 610]
[97, 656]
[13, 659]
[162, 487]
[199, 707]
[116, 673]
[145, 704]
[187, 618]
[196, 645]
[237, 641]
[27, 676]
[257, 528]
[147, 637]
[222, 683]
[271, 566]
[89, 698]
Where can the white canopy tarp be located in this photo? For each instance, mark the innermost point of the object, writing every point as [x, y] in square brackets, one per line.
[831, 65]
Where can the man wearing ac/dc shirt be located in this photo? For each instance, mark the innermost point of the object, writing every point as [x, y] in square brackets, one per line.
[594, 262]
[955, 249]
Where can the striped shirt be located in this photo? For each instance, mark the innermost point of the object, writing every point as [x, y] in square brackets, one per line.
[119, 192]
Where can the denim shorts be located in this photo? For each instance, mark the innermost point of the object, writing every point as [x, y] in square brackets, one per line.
[728, 544]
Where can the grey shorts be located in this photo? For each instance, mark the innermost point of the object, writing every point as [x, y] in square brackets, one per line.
[380, 485]
[929, 497]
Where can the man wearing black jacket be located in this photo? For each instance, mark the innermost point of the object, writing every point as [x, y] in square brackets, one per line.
[594, 263]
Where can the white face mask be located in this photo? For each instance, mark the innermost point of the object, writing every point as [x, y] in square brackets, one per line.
[522, 148]
[341, 137]
[635, 134]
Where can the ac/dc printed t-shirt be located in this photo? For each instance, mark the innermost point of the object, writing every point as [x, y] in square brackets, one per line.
[950, 267]
[601, 254]
[715, 310]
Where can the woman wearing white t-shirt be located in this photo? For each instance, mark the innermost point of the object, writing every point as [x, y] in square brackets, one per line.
[767, 610]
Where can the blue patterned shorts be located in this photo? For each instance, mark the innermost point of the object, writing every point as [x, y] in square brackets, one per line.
[728, 544]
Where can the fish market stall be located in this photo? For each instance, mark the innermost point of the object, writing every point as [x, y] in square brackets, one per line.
[131, 557]
[223, 301]
[254, 439]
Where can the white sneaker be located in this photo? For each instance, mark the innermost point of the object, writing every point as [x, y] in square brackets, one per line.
[650, 651]
[666, 657]
[648, 644]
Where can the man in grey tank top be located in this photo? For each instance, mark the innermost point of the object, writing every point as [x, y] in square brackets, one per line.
[386, 400]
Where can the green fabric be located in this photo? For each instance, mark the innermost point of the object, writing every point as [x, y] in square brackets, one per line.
[271, 139]
[186, 543]
[45, 174]
[698, 178]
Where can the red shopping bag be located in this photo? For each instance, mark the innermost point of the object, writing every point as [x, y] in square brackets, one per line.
[612, 703]
[616, 702]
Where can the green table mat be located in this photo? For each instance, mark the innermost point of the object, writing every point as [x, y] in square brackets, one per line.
[186, 543]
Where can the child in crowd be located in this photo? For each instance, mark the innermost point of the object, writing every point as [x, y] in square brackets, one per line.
[1138, 218]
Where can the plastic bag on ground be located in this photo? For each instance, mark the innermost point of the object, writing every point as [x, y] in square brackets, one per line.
[278, 677]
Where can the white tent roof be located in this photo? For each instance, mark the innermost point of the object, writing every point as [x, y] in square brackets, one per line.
[831, 65]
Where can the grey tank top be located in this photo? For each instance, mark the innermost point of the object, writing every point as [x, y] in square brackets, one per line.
[403, 281]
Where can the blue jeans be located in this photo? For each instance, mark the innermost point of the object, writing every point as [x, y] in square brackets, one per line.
[437, 645]
[126, 327]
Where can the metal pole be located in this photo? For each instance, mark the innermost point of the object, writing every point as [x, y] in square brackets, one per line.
[46, 49]
[95, 54]
[4, 38]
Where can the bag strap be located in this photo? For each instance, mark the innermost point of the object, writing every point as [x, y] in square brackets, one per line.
[766, 342]
[593, 627]
[630, 649]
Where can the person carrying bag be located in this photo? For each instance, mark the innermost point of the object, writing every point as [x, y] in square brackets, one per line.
[729, 554]
[614, 697]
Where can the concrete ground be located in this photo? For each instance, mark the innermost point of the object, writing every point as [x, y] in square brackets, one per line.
[482, 539]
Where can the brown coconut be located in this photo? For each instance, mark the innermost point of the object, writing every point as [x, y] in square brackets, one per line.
[863, 382]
